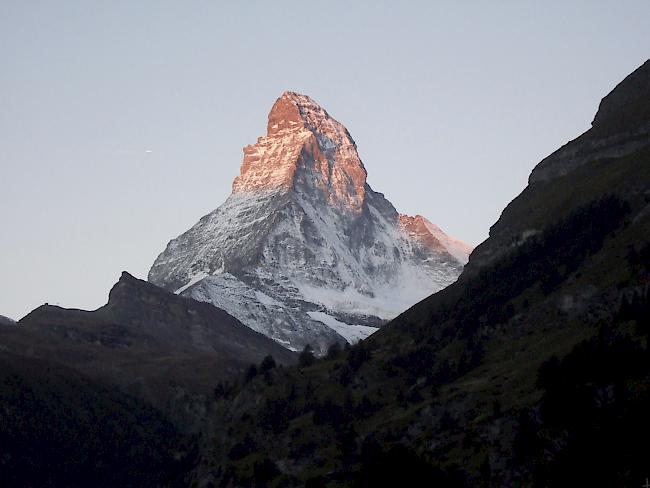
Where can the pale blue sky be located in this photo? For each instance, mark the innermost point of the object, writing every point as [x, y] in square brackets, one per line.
[451, 105]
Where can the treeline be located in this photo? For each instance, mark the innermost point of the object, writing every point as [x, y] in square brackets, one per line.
[334, 408]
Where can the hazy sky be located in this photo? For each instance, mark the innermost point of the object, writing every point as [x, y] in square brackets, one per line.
[122, 123]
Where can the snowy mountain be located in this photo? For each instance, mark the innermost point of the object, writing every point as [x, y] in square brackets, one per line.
[303, 250]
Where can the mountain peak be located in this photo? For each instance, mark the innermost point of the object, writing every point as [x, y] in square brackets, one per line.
[127, 287]
[126, 277]
[292, 110]
[304, 147]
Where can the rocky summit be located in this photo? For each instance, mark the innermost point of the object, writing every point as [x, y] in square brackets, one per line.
[303, 250]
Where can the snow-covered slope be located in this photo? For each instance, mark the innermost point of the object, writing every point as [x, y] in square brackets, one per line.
[303, 250]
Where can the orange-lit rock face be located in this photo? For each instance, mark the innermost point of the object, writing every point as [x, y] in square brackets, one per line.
[304, 144]
[285, 114]
[416, 228]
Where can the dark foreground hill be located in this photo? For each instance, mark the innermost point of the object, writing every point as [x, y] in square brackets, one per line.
[151, 343]
[58, 428]
[531, 370]
[6, 320]
[117, 396]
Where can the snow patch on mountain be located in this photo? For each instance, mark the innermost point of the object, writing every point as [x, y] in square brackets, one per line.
[259, 311]
[193, 280]
[351, 332]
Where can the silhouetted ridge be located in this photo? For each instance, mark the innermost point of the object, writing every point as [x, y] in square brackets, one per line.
[627, 106]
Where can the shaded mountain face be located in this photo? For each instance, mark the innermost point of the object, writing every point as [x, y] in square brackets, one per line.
[303, 250]
[530, 370]
[6, 320]
[141, 315]
[115, 397]
[148, 342]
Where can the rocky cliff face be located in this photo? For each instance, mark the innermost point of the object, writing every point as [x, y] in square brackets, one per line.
[303, 250]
